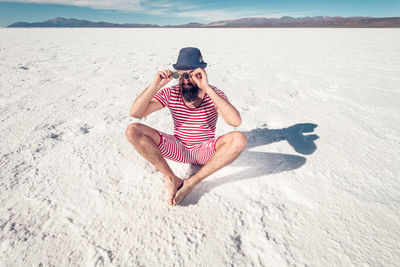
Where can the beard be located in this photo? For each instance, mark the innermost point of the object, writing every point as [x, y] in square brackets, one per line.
[190, 93]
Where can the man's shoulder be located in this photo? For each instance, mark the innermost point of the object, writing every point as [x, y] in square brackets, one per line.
[219, 91]
[215, 88]
[170, 88]
[174, 87]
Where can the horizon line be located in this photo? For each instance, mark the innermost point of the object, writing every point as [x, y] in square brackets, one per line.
[177, 25]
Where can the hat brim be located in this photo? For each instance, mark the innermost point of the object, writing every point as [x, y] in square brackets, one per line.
[189, 67]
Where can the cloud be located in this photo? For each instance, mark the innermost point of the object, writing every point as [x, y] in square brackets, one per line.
[131, 5]
[170, 8]
[228, 14]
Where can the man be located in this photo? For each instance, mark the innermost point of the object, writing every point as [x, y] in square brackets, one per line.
[194, 106]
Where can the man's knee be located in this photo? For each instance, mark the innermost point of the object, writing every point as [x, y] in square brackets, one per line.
[237, 140]
[134, 131]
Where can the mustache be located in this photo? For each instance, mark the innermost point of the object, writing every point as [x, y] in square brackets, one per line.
[188, 83]
[189, 94]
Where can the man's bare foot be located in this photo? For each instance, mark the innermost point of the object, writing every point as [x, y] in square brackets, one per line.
[183, 192]
[173, 186]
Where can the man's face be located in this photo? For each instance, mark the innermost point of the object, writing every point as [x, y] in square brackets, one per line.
[188, 86]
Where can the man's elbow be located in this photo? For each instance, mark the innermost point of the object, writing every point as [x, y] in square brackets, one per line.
[135, 115]
[236, 122]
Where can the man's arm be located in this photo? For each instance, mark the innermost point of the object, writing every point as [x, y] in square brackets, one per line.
[227, 111]
[145, 103]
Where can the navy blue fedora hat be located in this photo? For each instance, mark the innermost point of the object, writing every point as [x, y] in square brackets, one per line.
[189, 58]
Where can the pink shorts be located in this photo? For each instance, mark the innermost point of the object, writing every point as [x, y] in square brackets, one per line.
[172, 148]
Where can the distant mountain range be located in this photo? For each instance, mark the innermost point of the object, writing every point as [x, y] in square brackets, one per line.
[320, 21]
[63, 23]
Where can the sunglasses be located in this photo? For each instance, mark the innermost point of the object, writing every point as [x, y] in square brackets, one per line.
[184, 75]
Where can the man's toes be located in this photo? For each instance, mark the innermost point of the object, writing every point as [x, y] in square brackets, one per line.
[177, 200]
[171, 198]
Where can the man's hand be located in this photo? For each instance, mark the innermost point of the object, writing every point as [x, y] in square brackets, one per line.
[199, 76]
[162, 78]
[144, 103]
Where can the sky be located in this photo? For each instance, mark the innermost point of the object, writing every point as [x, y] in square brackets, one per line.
[175, 12]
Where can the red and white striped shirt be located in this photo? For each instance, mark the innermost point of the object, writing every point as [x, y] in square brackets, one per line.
[191, 125]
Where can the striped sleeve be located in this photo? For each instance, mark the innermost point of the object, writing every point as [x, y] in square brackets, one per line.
[222, 94]
[163, 96]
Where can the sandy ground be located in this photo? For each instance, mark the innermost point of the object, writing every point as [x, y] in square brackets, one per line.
[318, 184]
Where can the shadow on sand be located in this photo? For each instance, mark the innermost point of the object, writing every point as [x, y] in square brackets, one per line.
[263, 163]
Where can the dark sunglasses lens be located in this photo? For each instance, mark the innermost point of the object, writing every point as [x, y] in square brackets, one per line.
[185, 75]
[175, 74]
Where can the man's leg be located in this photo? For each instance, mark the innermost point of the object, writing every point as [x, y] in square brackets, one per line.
[228, 148]
[146, 140]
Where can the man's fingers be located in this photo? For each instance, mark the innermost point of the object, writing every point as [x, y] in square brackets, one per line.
[199, 70]
[196, 80]
[199, 73]
[163, 73]
[196, 75]
[169, 73]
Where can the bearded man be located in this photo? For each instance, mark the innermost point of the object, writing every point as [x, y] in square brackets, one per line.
[195, 106]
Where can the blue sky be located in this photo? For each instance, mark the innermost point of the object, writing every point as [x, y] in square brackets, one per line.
[164, 12]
